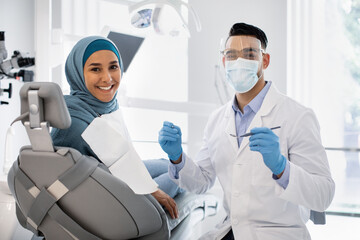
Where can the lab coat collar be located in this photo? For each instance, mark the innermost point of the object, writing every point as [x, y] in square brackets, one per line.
[272, 98]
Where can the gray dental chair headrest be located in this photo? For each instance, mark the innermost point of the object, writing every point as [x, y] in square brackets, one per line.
[54, 108]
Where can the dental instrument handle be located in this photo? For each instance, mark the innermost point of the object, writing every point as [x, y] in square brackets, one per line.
[250, 134]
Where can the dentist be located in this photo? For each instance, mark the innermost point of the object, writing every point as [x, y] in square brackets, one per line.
[272, 179]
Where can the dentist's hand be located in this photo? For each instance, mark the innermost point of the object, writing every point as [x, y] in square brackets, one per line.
[267, 143]
[170, 140]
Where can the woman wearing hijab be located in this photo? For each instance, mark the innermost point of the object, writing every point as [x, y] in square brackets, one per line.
[93, 70]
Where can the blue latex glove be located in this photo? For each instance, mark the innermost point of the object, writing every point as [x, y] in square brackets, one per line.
[267, 143]
[170, 140]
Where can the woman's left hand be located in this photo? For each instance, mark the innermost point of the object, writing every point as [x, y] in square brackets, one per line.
[166, 201]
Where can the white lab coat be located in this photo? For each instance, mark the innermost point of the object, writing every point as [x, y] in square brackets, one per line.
[257, 206]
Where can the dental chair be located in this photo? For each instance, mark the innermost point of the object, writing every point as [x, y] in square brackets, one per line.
[62, 194]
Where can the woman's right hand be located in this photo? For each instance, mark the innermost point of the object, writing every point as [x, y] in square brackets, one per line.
[166, 201]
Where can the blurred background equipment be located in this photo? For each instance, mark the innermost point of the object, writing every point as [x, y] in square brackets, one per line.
[128, 46]
[17, 61]
[6, 90]
[3, 52]
[165, 16]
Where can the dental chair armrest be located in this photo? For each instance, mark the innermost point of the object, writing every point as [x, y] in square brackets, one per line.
[189, 202]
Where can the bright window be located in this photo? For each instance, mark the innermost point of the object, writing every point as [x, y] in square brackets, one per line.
[324, 74]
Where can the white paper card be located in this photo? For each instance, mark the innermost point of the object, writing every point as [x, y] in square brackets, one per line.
[105, 136]
[106, 142]
[115, 119]
[135, 174]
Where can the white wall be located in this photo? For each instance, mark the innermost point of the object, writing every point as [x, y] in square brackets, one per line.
[17, 20]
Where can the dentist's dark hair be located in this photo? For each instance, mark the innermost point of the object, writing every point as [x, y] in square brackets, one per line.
[246, 29]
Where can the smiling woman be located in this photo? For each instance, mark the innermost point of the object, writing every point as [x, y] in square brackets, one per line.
[102, 75]
[93, 70]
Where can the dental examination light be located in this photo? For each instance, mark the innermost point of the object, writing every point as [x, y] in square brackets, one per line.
[164, 16]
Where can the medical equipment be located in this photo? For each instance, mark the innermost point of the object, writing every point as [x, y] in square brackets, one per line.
[128, 45]
[16, 61]
[250, 134]
[61, 194]
[161, 14]
[25, 75]
[3, 52]
[6, 90]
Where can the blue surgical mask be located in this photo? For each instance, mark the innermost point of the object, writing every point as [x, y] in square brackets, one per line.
[241, 74]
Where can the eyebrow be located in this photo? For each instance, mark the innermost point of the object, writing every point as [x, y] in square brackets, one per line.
[249, 49]
[99, 64]
[231, 51]
[94, 64]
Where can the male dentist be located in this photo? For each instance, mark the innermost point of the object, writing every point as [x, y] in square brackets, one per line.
[272, 178]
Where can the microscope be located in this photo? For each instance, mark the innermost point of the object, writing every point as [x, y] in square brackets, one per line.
[16, 62]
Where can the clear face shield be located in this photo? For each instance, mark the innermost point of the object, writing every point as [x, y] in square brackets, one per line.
[242, 59]
[245, 47]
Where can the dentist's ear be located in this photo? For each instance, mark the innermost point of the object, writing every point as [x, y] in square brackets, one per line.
[223, 60]
[266, 60]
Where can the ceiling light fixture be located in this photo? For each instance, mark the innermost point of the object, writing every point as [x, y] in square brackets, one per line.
[165, 16]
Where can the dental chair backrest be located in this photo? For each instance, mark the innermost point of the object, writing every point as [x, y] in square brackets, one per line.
[62, 194]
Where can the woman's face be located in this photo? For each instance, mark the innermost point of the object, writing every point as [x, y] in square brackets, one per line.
[102, 75]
